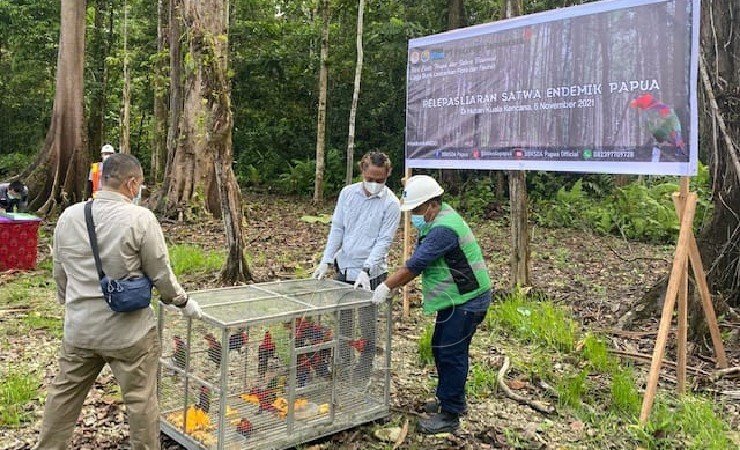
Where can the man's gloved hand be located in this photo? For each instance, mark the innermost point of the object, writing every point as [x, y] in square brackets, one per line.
[320, 272]
[192, 309]
[363, 281]
[381, 294]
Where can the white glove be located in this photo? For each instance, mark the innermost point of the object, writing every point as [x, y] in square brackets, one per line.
[363, 281]
[320, 272]
[381, 294]
[192, 309]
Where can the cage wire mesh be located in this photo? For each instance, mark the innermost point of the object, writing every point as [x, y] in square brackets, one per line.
[272, 365]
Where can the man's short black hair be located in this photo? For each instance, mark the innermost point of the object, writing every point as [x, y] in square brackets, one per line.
[118, 168]
[16, 186]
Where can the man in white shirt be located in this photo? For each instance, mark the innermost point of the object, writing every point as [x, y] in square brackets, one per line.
[363, 227]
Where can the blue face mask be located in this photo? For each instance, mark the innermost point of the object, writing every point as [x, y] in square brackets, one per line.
[418, 221]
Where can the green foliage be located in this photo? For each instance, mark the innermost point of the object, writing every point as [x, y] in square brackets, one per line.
[475, 197]
[625, 398]
[571, 389]
[539, 322]
[17, 389]
[481, 381]
[635, 211]
[13, 164]
[425, 345]
[597, 354]
[690, 422]
[192, 259]
[36, 321]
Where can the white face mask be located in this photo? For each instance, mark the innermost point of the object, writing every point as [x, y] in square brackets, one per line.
[372, 187]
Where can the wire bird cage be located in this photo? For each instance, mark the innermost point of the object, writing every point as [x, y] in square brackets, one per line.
[302, 359]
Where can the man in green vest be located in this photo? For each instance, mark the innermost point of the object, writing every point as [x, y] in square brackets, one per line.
[455, 285]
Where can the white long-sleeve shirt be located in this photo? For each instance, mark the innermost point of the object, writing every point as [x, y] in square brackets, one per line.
[362, 231]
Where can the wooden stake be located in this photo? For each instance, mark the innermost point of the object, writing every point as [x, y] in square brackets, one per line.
[406, 249]
[705, 295]
[683, 296]
[679, 261]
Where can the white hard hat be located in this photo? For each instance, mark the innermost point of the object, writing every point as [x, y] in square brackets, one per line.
[419, 189]
[107, 149]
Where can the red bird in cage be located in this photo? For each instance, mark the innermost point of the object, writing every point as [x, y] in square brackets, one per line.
[265, 352]
[358, 344]
[244, 427]
[204, 399]
[214, 348]
[266, 398]
[178, 354]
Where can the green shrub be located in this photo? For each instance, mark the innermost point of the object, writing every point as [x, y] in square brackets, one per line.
[635, 211]
[14, 163]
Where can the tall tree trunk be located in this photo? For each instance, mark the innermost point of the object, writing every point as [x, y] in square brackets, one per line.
[159, 141]
[318, 195]
[99, 52]
[125, 140]
[58, 176]
[719, 115]
[518, 198]
[190, 185]
[355, 95]
[455, 14]
[219, 124]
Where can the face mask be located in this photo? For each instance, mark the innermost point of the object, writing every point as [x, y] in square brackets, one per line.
[417, 220]
[14, 196]
[105, 156]
[372, 187]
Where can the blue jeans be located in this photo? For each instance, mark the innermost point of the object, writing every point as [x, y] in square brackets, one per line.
[453, 332]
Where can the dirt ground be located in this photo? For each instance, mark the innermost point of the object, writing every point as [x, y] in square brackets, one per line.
[600, 278]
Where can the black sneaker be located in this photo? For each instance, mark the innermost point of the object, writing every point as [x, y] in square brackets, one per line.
[433, 406]
[442, 422]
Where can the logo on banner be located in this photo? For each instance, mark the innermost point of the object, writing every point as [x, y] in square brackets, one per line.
[414, 57]
[518, 153]
[425, 56]
[437, 54]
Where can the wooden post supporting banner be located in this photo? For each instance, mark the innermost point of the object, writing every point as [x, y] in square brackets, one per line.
[687, 252]
[683, 300]
[406, 249]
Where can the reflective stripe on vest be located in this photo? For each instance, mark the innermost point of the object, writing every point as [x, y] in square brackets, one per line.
[96, 176]
[460, 275]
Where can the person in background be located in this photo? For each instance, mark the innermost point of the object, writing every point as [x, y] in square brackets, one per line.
[363, 226]
[94, 178]
[455, 284]
[14, 197]
[131, 244]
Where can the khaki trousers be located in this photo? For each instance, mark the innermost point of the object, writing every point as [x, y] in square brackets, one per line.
[134, 367]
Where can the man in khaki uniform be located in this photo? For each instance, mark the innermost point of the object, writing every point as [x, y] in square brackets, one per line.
[131, 244]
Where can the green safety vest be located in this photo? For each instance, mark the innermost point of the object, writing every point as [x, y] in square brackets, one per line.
[458, 276]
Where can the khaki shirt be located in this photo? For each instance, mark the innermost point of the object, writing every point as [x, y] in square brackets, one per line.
[131, 243]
